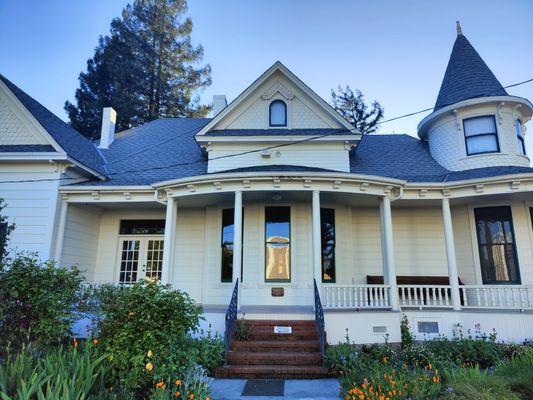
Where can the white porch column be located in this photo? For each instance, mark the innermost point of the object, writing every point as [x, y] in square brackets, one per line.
[61, 227]
[169, 239]
[383, 245]
[387, 241]
[317, 238]
[450, 254]
[237, 236]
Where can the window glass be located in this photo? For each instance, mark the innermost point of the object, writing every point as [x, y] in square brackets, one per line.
[278, 113]
[497, 251]
[327, 222]
[227, 245]
[142, 227]
[277, 244]
[481, 135]
[520, 137]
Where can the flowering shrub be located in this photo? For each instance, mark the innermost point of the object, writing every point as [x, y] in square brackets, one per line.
[417, 355]
[405, 331]
[37, 301]
[194, 385]
[387, 381]
[143, 327]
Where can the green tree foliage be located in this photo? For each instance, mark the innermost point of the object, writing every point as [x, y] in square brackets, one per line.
[5, 230]
[37, 301]
[351, 105]
[145, 68]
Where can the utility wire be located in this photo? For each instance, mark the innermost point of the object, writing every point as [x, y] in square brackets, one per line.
[234, 154]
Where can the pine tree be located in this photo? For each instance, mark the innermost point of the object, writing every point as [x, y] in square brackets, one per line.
[146, 68]
[353, 108]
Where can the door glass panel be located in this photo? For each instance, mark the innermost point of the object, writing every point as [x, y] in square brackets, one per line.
[129, 261]
[154, 259]
[278, 243]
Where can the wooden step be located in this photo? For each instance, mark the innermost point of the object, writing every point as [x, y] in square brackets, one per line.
[273, 372]
[264, 346]
[274, 358]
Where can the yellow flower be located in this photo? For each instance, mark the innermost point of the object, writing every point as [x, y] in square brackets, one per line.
[160, 385]
[131, 314]
[177, 382]
[149, 354]
[149, 366]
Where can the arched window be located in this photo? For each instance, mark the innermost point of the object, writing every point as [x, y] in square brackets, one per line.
[278, 113]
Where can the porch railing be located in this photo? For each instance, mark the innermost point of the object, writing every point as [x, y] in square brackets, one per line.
[319, 318]
[356, 296]
[428, 296]
[425, 296]
[497, 297]
[231, 319]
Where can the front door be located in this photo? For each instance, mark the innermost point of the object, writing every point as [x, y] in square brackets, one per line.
[140, 257]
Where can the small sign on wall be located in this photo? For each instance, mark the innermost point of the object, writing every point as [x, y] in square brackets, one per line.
[277, 292]
[282, 329]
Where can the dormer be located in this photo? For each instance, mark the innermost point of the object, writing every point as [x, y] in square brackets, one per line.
[276, 110]
[475, 122]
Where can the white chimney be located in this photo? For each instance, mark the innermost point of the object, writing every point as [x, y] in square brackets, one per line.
[107, 134]
[219, 103]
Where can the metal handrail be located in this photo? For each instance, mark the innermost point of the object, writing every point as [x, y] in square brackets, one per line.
[319, 318]
[231, 317]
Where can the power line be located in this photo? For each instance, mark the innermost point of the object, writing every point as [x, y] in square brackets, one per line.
[236, 154]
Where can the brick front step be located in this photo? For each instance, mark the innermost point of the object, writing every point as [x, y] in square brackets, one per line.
[276, 345]
[275, 358]
[273, 372]
[267, 334]
[267, 323]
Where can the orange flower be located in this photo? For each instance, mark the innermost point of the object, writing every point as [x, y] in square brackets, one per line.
[177, 382]
[191, 396]
[95, 341]
[149, 366]
[177, 393]
[385, 360]
[75, 342]
[160, 385]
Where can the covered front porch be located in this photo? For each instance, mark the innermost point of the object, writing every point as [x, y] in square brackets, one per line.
[382, 249]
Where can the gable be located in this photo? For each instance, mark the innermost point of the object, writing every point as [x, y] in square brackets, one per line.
[15, 127]
[305, 109]
[302, 112]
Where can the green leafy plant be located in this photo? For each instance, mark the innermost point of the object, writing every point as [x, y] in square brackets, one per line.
[518, 372]
[407, 336]
[473, 383]
[417, 355]
[144, 328]
[242, 332]
[37, 301]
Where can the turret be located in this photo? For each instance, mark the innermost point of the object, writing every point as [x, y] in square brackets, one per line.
[475, 122]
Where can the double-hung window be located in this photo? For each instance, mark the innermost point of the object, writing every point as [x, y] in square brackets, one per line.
[520, 137]
[481, 135]
[277, 244]
[327, 227]
[226, 244]
[497, 250]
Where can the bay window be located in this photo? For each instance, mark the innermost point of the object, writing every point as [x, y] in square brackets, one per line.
[520, 137]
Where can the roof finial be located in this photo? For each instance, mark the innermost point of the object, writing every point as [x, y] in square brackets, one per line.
[458, 27]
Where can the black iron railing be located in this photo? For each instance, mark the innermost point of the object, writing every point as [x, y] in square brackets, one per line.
[319, 318]
[231, 318]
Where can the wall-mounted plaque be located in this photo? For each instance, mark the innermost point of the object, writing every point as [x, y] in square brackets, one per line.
[278, 292]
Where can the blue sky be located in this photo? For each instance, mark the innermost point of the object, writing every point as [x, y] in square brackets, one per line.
[394, 51]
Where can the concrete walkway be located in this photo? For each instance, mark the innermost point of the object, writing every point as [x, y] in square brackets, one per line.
[314, 389]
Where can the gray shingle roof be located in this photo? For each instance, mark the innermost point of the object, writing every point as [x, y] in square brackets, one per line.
[467, 76]
[281, 132]
[156, 151]
[71, 141]
[23, 148]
